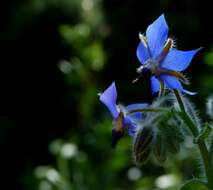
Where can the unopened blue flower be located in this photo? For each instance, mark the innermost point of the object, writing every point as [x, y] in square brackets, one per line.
[121, 119]
[158, 56]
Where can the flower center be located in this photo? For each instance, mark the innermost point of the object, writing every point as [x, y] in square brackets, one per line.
[150, 65]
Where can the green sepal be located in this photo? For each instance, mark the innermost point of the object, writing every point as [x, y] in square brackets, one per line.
[159, 149]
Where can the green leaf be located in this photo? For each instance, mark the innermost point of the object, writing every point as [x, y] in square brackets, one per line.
[205, 132]
[194, 184]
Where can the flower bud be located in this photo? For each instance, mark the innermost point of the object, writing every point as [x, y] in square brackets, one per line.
[159, 149]
[142, 145]
[173, 145]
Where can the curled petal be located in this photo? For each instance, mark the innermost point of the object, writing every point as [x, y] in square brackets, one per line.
[157, 34]
[142, 53]
[132, 130]
[155, 84]
[173, 83]
[178, 60]
[134, 118]
[109, 98]
[189, 92]
[132, 127]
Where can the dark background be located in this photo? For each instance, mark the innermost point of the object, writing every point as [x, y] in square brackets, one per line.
[38, 105]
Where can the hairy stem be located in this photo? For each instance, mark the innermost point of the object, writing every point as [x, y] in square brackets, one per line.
[211, 150]
[144, 110]
[205, 155]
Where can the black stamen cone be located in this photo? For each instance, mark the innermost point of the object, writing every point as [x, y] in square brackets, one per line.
[146, 72]
[116, 135]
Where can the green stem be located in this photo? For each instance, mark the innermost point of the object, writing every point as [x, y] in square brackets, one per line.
[205, 155]
[148, 110]
[211, 150]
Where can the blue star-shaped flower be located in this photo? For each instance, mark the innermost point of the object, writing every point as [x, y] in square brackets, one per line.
[158, 56]
[122, 119]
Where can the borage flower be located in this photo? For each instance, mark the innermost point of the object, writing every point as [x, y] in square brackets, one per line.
[122, 116]
[158, 56]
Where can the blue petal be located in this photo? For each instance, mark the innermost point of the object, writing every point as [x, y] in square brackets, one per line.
[136, 116]
[136, 106]
[133, 119]
[155, 84]
[142, 53]
[172, 82]
[109, 98]
[178, 60]
[157, 34]
[132, 127]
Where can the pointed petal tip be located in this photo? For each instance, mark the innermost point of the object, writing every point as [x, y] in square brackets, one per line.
[195, 51]
[162, 16]
[179, 60]
[113, 83]
[156, 34]
[163, 19]
[109, 98]
[112, 86]
[198, 49]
